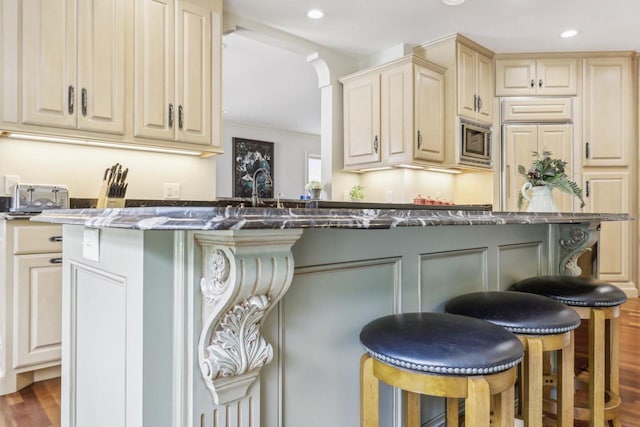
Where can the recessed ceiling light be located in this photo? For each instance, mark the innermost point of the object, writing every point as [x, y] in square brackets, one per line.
[315, 14]
[569, 33]
[452, 2]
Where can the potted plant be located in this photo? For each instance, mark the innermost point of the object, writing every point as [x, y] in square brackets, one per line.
[314, 188]
[545, 174]
[356, 193]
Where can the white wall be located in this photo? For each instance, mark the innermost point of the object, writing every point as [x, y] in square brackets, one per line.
[289, 164]
[81, 168]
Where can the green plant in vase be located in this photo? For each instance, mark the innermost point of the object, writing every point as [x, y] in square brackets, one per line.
[356, 193]
[549, 172]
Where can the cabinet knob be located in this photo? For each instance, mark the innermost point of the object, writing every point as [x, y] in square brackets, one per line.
[540, 83]
[533, 83]
[375, 145]
[170, 115]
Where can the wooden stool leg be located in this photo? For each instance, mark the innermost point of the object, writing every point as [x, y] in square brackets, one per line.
[369, 394]
[532, 405]
[504, 408]
[565, 385]
[477, 406]
[596, 367]
[612, 362]
[411, 409]
[453, 414]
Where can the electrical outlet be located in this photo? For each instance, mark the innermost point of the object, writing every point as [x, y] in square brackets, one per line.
[171, 190]
[9, 182]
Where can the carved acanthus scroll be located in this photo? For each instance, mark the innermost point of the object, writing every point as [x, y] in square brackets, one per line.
[244, 274]
[575, 239]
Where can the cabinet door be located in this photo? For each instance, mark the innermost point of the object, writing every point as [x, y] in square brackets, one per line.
[154, 109]
[362, 120]
[37, 308]
[484, 88]
[466, 82]
[101, 65]
[558, 140]
[194, 72]
[607, 112]
[556, 76]
[608, 191]
[396, 113]
[515, 77]
[520, 142]
[429, 114]
[49, 63]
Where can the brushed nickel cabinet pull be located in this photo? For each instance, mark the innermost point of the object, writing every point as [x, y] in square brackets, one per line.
[170, 115]
[540, 83]
[70, 98]
[419, 139]
[55, 239]
[586, 150]
[55, 260]
[375, 145]
[83, 101]
[533, 83]
[180, 116]
[587, 189]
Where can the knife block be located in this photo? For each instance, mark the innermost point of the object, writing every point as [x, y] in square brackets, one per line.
[102, 196]
[114, 203]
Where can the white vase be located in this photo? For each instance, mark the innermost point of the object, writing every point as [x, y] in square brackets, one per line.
[540, 200]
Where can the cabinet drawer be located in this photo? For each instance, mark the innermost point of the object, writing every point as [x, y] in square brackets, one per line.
[536, 110]
[37, 239]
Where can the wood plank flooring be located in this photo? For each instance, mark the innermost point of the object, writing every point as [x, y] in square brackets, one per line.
[39, 404]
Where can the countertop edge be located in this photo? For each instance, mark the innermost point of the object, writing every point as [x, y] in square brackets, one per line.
[213, 218]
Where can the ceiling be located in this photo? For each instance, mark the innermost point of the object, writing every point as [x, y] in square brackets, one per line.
[271, 87]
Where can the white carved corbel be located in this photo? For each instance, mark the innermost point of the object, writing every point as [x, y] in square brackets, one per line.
[575, 239]
[244, 274]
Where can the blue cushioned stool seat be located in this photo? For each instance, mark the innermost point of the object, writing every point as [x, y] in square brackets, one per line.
[441, 343]
[573, 291]
[544, 325]
[442, 355]
[599, 303]
[517, 312]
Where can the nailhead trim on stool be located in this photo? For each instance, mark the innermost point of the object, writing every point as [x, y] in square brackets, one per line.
[598, 302]
[442, 355]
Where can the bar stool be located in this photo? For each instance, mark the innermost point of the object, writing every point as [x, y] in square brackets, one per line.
[599, 303]
[441, 355]
[543, 325]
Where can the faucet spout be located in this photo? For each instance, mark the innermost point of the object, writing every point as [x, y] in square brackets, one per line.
[255, 200]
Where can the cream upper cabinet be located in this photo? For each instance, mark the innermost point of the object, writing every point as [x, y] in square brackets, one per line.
[62, 87]
[607, 107]
[475, 84]
[536, 76]
[429, 114]
[394, 115]
[520, 142]
[173, 70]
[607, 190]
[361, 98]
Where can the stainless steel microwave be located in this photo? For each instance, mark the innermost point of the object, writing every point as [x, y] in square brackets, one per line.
[476, 144]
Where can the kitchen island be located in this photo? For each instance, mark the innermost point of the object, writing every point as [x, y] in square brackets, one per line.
[250, 317]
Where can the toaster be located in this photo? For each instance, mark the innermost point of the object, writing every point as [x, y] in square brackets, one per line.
[39, 197]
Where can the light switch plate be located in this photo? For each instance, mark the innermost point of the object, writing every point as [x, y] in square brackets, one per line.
[91, 244]
[9, 182]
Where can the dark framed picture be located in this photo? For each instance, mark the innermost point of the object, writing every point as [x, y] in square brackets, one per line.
[252, 165]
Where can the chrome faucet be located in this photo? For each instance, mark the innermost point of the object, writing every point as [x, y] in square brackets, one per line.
[255, 201]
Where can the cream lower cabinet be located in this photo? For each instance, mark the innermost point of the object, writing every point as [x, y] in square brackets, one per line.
[81, 88]
[520, 142]
[173, 70]
[30, 302]
[607, 190]
[394, 114]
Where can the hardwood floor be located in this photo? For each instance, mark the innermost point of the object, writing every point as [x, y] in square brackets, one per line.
[39, 404]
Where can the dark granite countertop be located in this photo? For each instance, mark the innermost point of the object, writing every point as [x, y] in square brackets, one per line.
[232, 218]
